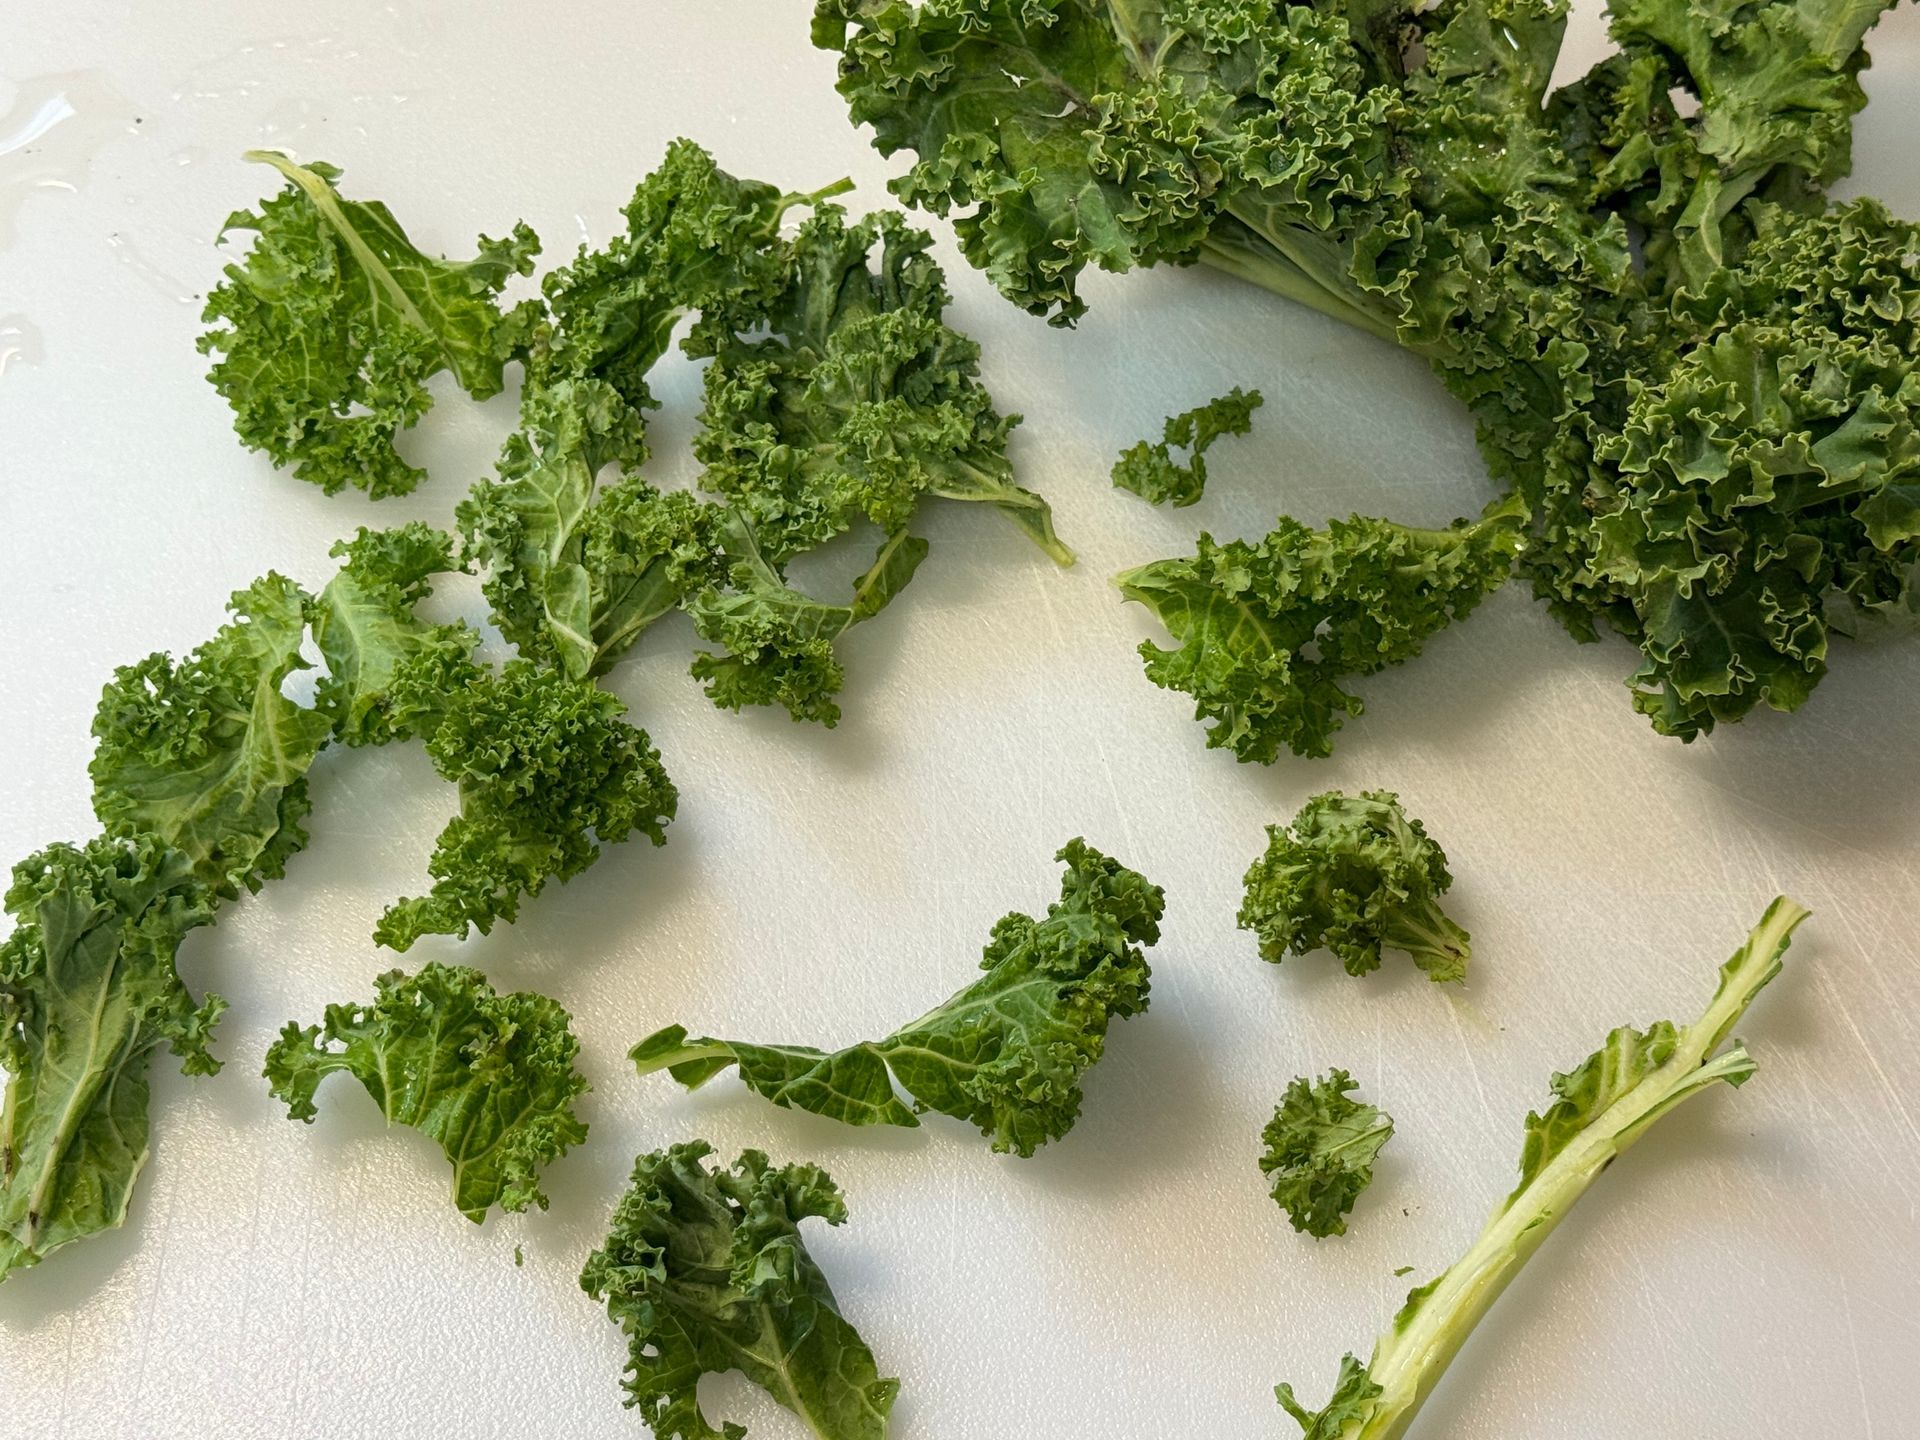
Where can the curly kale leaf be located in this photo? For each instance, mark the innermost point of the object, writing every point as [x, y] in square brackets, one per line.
[1355, 877]
[1268, 631]
[1636, 282]
[548, 773]
[88, 992]
[704, 1271]
[1600, 1109]
[1320, 1149]
[1006, 1053]
[490, 1077]
[778, 642]
[1150, 470]
[1769, 485]
[847, 396]
[208, 754]
[335, 321]
[377, 650]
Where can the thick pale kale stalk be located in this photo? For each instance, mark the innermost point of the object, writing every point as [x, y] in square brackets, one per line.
[490, 1077]
[334, 322]
[1268, 631]
[1601, 1108]
[705, 1271]
[1684, 362]
[1006, 1053]
[88, 992]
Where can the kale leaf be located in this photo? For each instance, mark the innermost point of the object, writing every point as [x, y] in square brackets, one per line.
[704, 1270]
[1006, 1053]
[490, 1077]
[1320, 1149]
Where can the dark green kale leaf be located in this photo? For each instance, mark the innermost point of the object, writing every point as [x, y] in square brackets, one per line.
[490, 1077]
[1636, 282]
[88, 992]
[548, 773]
[1006, 1053]
[335, 321]
[1320, 1149]
[1151, 472]
[845, 395]
[1355, 877]
[208, 754]
[1268, 631]
[704, 1271]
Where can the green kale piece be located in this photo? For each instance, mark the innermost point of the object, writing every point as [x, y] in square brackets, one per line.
[208, 754]
[1268, 631]
[845, 395]
[1355, 877]
[1320, 1149]
[335, 321]
[1151, 472]
[1006, 1053]
[704, 1270]
[376, 648]
[1600, 1108]
[88, 991]
[490, 1077]
[777, 643]
[548, 773]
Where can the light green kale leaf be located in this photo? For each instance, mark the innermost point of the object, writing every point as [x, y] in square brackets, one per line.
[1267, 632]
[1601, 1107]
[777, 642]
[88, 992]
[208, 754]
[490, 1077]
[376, 648]
[335, 321]
[1006, 1053]
[845, 395]
[548, 773]
[704, 1270]
[1150, 470]
[1354, 876]
[1320, 1149]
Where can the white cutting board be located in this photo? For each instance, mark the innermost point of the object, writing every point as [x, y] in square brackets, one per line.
[1752, 1269]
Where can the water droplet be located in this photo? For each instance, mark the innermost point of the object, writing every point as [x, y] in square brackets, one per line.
[157, 280]
[19, 343]
[52, 131]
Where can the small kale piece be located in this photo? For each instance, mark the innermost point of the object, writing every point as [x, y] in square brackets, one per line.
[548, 773]
[208, 754]
[1355, 877]
[490, 1077]
[335, 321]
[777, 642]
[377, 650]
[1320, 1151]
[1007, 1053]
[1151, 472]
[704, 1270]
[1267, 632]
[88, 992]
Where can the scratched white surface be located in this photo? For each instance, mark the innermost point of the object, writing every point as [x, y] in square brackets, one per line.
[1753, 1268]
